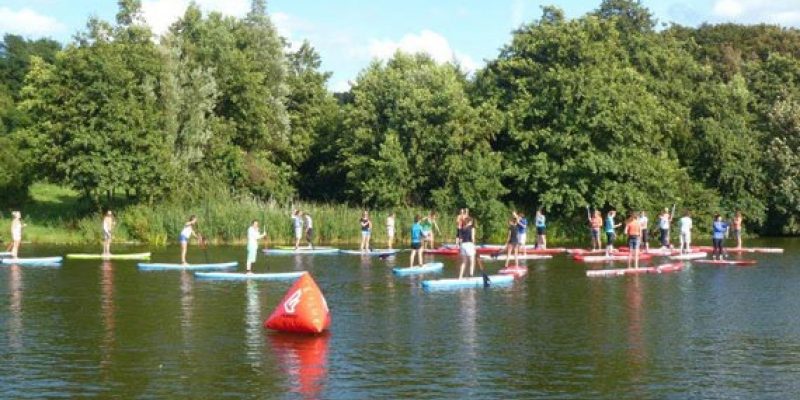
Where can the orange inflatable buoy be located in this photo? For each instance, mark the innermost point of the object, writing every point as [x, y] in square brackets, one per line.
[302, 310]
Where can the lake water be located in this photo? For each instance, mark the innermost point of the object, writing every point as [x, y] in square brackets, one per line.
[95, 329]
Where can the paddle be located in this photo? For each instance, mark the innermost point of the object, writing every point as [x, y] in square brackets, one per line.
[203, 245]
[486, 281]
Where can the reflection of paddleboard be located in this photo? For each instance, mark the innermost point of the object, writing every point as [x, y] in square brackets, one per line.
[302, 250]
[620, 272]
[373, 252]
[726, 262]
[477, 281]
[240, 276]
[671, 267]
[689, 256]
[32, 261]
[515, 270]
[424, 269]
[503, 257]
[167, 267]
[131, 256]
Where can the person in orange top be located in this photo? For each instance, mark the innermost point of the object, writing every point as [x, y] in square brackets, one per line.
[737, 228]
[596, 222]
[634, 231]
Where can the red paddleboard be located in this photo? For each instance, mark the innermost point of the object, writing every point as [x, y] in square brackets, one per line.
[443, 251]
[612, 257]
[671, 267]
[516, 270]
[727, 262]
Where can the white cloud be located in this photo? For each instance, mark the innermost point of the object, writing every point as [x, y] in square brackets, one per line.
[426, 41]
[340, 86]
[160, 14]
[728, 8]
[28, 22]
[783, 12]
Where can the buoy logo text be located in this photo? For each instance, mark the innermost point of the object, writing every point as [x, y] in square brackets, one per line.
[292, 302]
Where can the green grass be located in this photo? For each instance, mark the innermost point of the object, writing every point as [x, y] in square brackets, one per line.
[57, 215]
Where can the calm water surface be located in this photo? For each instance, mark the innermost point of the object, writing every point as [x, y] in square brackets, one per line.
[95, 329]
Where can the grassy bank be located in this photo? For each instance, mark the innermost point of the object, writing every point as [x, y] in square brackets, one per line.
[56, 215]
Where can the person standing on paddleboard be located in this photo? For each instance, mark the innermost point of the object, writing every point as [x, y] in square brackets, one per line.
[108, 228]
[427, 226]
[185, 236]
[432, 216]
[611, 234]
[685, 224]
[512, 241]
[719, 230]
[466, 235]
[664, 222]
[309, 226]
[16, 233]
[522, 231]
[737, 228]
[416, 242]
[390, 231]
[459, 224]
[644, 240]
[297, 227]
[633, 231]
[596, 222]
[253, 236]
[366, 231]
[541, 230]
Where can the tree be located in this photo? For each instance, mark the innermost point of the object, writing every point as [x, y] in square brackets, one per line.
[412, 116]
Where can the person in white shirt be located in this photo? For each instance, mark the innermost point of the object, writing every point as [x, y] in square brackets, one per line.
[297, 226]
[108, 226]
[686, 232]
[645, 238]
[390, 230]
[253, 236]
[309, 223]
[16, 232]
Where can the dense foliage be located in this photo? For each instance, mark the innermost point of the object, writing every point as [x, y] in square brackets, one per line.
[602, 111]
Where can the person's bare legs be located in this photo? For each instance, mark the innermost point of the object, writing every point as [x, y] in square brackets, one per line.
[184, 246]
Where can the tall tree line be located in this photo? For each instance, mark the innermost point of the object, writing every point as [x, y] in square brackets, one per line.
[602, 110]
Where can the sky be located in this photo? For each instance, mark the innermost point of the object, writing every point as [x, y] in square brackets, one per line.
[350, 33]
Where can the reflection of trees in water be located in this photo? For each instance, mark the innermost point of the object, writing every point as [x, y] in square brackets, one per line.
[303, 359]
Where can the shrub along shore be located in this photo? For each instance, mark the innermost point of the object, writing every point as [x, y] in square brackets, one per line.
[55, 215]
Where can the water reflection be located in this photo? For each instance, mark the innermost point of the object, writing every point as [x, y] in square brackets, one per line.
[108, 311]
[187, 300]
[636, 351]
[468, 305]
[254, 331]
[15, 309]
[304, 360]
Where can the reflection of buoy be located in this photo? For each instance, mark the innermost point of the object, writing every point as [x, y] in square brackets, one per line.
[302, 310]
[304, 361]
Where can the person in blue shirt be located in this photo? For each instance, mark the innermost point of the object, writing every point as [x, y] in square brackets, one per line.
[522, 230]
[541, 232]
[719, 230]
[416, 241]
[611, 235]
